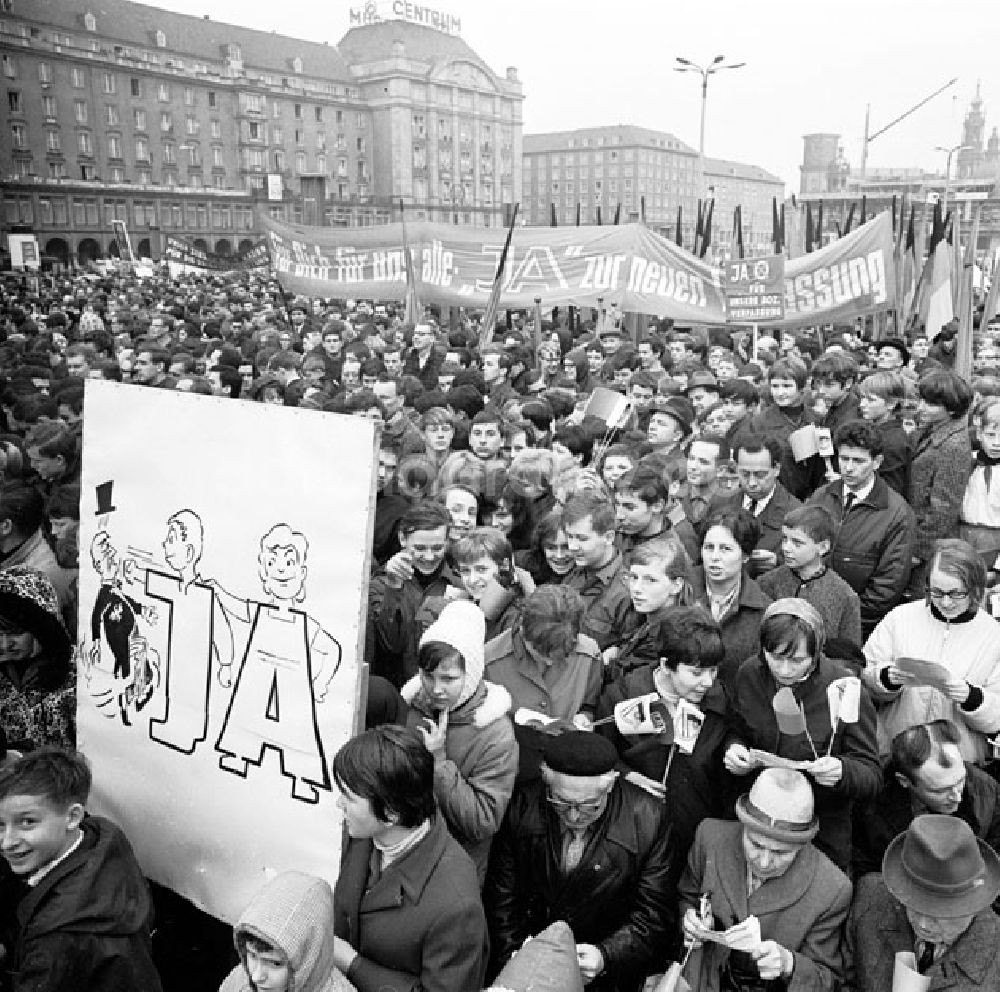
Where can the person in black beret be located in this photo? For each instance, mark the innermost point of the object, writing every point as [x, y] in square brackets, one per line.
[585, 846]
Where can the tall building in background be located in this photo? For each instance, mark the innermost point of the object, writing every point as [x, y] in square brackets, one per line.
[179, 124]
[627, 165]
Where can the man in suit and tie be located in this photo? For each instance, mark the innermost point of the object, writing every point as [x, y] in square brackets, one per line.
[758, 462]
[874, 547]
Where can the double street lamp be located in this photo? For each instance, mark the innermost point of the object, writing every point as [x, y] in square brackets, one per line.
[947, 172]
[716, 65]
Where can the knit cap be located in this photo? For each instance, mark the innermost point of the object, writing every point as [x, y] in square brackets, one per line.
[462, 626]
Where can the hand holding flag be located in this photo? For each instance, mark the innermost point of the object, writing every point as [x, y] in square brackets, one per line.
[791, 717]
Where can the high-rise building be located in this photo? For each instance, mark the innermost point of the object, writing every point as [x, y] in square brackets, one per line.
[602, 168]
[179, 124]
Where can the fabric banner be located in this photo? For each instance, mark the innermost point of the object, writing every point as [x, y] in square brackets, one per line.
[221, 630]
[183, 252]
[627, 265]
[849, 278]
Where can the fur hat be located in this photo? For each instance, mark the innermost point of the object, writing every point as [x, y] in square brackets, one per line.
[28, 600]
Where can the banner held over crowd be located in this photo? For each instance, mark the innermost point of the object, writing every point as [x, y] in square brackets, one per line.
[218, 652]
[629, 266]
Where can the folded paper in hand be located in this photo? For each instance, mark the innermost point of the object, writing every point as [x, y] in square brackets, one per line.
[924, 672]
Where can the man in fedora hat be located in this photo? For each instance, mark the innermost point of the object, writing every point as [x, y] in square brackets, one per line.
[766, 866]
[932, 900]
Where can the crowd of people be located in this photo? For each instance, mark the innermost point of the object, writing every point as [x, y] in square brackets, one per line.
[781, 553]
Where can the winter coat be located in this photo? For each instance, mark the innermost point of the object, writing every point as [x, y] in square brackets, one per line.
[86, 925]
[393, 634]
[969, 649]
[799, 478]
[697, 785]
[38, 702]
[836, 602]
[803, 910]
[874, 546]
[294, 914]
[879, 822]
[420, 926]
[473, 783]
[939, 473]
[740, 627]
[755, 725]
[564, 689]
[878, 928]
[617, 898]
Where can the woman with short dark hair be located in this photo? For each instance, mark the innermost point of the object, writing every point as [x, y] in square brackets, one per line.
[407, 908]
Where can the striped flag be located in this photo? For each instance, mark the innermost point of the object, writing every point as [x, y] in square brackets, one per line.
[489, 323]
[936, 304]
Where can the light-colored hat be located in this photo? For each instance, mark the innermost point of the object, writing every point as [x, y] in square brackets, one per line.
[780, 805]
[462, 626]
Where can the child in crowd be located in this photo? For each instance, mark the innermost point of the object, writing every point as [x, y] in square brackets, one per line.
[880, 397]
[808, 535]
[627, 631]
[980, 519]
[83, 910]
[285, 939]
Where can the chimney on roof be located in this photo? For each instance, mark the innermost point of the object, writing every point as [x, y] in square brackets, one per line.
[512, 74]
[205, 16]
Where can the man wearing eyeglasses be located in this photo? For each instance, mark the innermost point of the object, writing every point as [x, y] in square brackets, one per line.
[583, 846]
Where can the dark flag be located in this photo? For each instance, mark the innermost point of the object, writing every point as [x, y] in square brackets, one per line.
[618, 214]
[679, 236]
[706, 234]
[848, 224]
[554, 222]
[810, 235]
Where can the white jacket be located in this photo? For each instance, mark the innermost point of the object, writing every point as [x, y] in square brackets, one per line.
[971, 650]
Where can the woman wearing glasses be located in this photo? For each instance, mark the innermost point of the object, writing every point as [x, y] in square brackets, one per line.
[950, 628]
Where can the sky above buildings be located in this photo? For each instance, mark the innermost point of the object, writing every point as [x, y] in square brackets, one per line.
[810, 66]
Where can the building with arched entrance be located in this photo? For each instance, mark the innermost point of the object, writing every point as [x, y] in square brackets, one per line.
[181, 126]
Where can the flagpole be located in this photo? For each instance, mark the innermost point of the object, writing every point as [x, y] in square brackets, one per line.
[488, 325]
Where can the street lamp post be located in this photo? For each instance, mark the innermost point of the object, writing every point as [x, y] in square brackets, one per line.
[947, 173]
[716, 65]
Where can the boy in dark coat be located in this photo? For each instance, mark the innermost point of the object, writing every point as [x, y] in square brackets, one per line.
[82, 908]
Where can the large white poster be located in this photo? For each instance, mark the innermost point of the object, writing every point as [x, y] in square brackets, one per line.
[223, 577]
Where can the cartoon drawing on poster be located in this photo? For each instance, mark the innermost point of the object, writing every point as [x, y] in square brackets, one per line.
[286, 669]
[220, 633]
[114, 621]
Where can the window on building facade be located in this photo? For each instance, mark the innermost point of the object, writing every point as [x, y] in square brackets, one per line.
[169, 153]
[135, 86]
[215, 128]
[18, 135]
[9, 67]
[141, 150]
[300, 162]
[109, 82]
[188, 96]
[78, 78]
[84, 143]
[80, 111]
[114, 146]
[192, 125]
[163, 92]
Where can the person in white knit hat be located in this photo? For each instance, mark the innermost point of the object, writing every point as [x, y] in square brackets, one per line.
[465, 725]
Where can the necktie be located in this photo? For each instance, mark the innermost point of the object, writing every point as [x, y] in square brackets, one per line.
[849, 500]
[926, 958]
[573, 849]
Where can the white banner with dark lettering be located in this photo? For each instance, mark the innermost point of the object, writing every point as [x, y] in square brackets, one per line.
[629, 266]
[223, 579]
[626, 265]
[851, 277]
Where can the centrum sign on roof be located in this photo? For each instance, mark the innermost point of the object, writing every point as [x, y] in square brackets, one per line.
[403, 10]
[755, 289]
